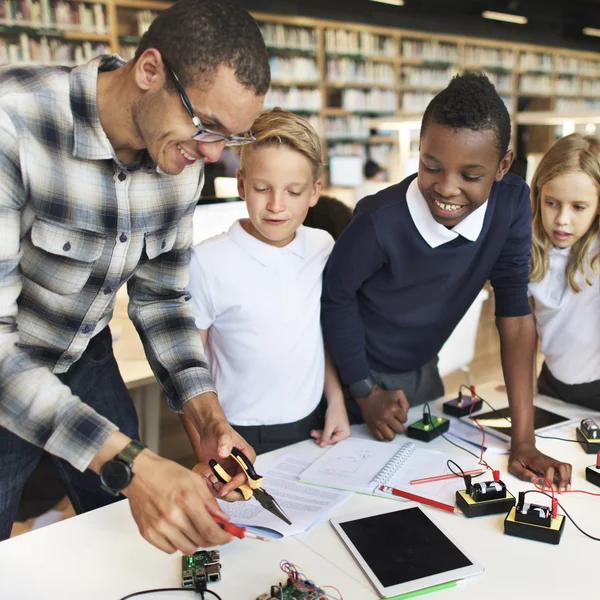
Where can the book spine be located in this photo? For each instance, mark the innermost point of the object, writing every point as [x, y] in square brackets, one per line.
[394, 464]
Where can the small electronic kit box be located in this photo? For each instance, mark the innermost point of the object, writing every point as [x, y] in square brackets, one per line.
[592, 474]
[588, 434]
[534, 521]
[428, 428]
[462, 406]
[484, 498]
[200, 569]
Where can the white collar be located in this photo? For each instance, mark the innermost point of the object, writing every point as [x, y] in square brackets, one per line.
[434, 233]
[262, 252]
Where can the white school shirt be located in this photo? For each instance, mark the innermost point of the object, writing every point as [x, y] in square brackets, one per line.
[262, 307]
[568, 324]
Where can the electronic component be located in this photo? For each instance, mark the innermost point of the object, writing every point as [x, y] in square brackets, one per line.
[461, 406]
[588, 434]
[484, 498]
[289, 591]
[428, 428]
[534, 522]
[592, 474]
[199, 569]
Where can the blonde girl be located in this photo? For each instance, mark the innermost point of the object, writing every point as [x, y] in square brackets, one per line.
[564, 284]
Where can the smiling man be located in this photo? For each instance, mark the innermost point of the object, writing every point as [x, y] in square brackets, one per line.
[413, 260]
[102, 166]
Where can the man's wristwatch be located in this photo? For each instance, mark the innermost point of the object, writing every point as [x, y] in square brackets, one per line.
[362, 388]
[115, 474]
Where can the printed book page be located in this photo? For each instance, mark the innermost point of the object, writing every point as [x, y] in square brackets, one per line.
[305, 505]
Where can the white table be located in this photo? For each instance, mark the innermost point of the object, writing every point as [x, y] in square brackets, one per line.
[101, 556]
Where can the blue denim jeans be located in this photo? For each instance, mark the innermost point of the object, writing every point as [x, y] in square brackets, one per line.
[95, 378]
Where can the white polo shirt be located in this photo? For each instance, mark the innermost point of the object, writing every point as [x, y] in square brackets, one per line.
[262, 307]
[434, 233]
[568, 324]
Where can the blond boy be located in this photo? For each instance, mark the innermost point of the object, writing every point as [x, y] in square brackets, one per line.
[256, 293]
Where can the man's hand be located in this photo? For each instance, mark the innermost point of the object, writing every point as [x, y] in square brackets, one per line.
[172, 506]
[214, 485]
[337, 426]
[217, 437]
[527, 462]
[384, 411]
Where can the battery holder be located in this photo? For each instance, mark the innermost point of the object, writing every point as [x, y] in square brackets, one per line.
[461, 406]
[592, 474]
[534, 522]
[485, 498]
[428, 428]
[590, 445]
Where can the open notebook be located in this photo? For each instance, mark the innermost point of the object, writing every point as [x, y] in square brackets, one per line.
[360, 465]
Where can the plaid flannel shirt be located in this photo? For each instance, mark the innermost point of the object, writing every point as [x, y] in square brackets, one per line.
[77, 224]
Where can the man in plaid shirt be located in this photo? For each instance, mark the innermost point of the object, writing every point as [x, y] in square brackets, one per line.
[101, 167]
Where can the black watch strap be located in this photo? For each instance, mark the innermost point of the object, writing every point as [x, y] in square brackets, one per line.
[362, 388]
[128, 454]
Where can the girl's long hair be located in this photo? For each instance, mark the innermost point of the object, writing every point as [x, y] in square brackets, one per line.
[570, 154]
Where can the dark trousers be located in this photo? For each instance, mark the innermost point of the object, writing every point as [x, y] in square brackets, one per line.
[264, 438]
[419, 386]
[95, 378]
[584, 394]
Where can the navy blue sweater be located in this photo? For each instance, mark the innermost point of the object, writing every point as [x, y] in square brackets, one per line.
[390, 301]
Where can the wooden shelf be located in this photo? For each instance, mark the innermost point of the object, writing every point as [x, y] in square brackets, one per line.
[292, 51]
[142, 4]
[357, 84]
[346, 112]
[421, 88]
[86, 36]
[295, 83]
[383, 139]
[362, 57]
[424, 62]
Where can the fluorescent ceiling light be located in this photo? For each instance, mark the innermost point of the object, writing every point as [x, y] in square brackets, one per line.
[508, 18]
[394, 2]
[591, 31]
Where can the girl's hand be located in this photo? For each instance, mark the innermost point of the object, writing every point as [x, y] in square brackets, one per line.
[337, 427]
[528, 463]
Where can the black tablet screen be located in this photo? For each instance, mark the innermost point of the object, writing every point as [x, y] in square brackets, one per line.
[403, 546]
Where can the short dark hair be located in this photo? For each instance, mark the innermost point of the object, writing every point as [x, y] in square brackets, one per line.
[329, 214]
[195, 37]
[471, 102]
[371, 169]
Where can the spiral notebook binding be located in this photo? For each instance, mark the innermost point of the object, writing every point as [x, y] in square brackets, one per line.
[394, 464]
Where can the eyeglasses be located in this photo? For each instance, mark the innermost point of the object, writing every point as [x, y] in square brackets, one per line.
[202, 133]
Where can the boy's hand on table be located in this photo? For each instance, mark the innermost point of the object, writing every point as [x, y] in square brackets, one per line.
[528, 463]
[384, 411]
[337, 426]
[217, 437]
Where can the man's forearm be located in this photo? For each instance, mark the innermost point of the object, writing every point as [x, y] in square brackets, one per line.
[517, 346]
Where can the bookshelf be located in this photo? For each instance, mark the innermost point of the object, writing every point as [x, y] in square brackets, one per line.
[337, 74]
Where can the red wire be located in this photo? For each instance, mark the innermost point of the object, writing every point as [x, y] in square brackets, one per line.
[535, 483]
[482, 447]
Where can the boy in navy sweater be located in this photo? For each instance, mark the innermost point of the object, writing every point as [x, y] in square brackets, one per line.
[414, 258]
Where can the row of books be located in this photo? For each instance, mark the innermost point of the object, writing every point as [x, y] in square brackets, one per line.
[359, 42]
[144, 19]
[536, 61]
[294, 67]
[502, 81]
[294, 98]
[55, 14]
[370, 100]
[358, 71]
[420, 76]
[352, 127]
[489, 57]
[577, 104]
[48, 51]
[430, 50]
[380, 153]
[277, 35]
[416, 102]
[535, 84]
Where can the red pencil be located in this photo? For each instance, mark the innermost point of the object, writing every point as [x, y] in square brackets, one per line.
[441, 505]
[446, 476]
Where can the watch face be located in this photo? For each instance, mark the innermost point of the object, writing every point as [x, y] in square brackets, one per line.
[115, 475]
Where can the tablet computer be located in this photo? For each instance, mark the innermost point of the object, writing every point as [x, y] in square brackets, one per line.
[404, 550]
[497, 422]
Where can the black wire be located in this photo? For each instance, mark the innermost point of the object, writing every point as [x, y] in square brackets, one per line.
[563, 509]
[157, 590]
[544, 437]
